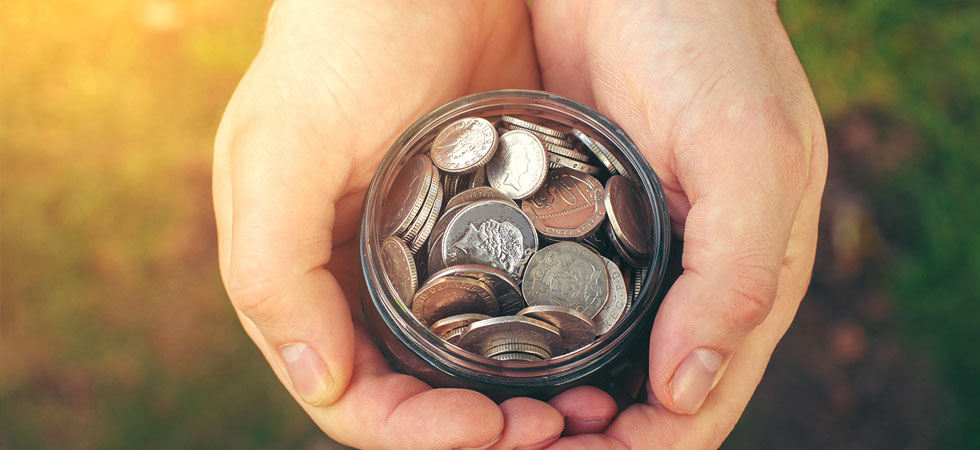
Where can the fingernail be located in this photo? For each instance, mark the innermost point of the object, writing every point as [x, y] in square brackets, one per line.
[307, 372]
[693, 379]
[484, 446]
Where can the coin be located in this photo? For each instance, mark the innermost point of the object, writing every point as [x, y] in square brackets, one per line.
[490, 233]
[430, 223]
[399, 267]
[516, 356]
[533, 127]
[483, 336]
[450, 328]
[576, 330]
[627, 256]
[605, 157]
[443, 223]
[407, 195]
[610, 314]
[567, 274]
[628, 216]
[519, 166]
[464, 145]
[432, 198]
[508, 294]
[568, 206]
[639, 277]
[568, 153]
[556, 161]
[449, 296]
[479, 178]
[434, 263]
[477, 193]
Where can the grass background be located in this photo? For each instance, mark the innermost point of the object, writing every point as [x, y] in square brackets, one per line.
[115, 331]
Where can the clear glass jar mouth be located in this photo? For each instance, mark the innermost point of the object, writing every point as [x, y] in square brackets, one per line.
[453, 360]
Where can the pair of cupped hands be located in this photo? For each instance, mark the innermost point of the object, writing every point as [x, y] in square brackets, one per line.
[711, 92]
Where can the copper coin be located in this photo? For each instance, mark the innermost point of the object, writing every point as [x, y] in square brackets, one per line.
[568, 206]
[449, 296]
[567, 274]
[399, 269]
[464, 145]
[407, 195]
[450, 328]
[628, 216]
[520, 165]
[575, 328]
[506, 290]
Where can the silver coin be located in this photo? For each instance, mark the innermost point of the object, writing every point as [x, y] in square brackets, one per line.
[567, 274]
[519, 167]
[432, 197]
[514, 349]
[612, 312]
[477, 193]
[430, 222]
[510, 120]
[507, 291]
[639, 278]
[568, 153]
[399, 269]
[442, 224]
[576, 330]
[434, 263]
[558, 161]
[407, 195]
[485, 335]
[517, 356]
[490, 233]
[600, 151]
[452, 327]
[464, 145]
[449, 296]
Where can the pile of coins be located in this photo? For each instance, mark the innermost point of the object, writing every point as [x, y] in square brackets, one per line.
[531, 241]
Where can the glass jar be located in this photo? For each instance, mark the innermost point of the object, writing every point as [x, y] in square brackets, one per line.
[411, 348]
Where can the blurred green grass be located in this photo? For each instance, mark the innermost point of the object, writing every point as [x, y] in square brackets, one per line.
[115, 329]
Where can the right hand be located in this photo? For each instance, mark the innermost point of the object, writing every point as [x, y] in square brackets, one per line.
[332, 87]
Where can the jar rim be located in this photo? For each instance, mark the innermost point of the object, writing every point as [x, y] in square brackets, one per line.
[450, 359]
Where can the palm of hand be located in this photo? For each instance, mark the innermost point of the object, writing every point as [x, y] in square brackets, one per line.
[312, 119]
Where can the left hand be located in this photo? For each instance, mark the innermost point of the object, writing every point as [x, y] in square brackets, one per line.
[714, 96]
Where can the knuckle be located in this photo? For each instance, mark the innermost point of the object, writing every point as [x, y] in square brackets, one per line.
[752, 294]
[257, 297]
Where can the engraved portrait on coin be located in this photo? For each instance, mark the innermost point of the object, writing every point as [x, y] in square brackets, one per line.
[496, 243]
[492, 233]
[520, 165]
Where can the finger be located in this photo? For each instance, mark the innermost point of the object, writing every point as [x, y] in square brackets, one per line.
[586, 409]
[528, 424]
[384, 409]
[654, 426]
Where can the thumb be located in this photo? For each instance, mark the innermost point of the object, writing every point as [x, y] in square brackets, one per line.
[735, 239]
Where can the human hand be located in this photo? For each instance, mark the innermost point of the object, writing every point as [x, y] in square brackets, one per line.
[714, 96]
[332, 87]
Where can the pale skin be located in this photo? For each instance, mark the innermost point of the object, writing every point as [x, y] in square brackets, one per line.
[711, 92]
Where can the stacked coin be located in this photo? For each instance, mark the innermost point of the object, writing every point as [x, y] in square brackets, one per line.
[531, 237]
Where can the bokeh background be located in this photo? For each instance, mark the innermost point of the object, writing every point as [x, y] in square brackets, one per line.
[115, 331]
